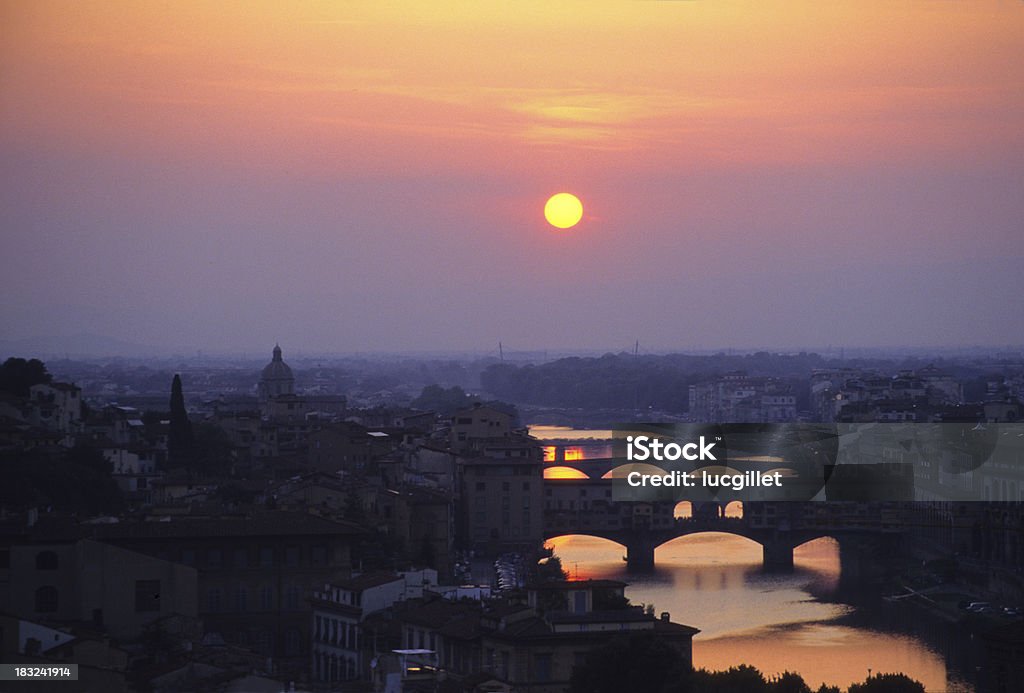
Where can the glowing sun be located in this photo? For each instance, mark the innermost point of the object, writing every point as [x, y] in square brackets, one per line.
[563, 210]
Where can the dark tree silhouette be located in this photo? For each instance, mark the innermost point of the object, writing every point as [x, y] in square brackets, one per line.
[442, 400]
[788, 682]
[73, 480]
[740, 679]
[18, 375]
[887, 683]
[179, 435]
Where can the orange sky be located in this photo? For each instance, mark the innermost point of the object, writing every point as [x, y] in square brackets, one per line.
[351, 87]
[256, 143]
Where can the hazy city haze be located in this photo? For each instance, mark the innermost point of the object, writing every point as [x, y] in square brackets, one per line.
[372, 177]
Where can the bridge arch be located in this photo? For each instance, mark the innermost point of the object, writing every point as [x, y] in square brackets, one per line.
[557, 539]
[682, 538]
[564, 472]
[686, 510]
[817, 537]
[683, 510]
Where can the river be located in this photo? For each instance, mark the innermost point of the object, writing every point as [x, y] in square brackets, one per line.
[775, 622]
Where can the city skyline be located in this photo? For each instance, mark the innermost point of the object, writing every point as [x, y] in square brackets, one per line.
[372, 177]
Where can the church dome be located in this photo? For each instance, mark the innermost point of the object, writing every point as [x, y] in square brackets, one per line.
[276, 378]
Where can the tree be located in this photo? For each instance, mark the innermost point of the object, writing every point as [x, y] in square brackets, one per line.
[550, 568]
[75, 480]
[887, 683]
[179, 435]
[444, 401]
[740, 679]
[788, 682]
[18, 375]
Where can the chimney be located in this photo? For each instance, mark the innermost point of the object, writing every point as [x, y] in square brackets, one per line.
[664, 616]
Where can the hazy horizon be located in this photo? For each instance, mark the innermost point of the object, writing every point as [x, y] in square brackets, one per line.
[370, 178]
[89, 347]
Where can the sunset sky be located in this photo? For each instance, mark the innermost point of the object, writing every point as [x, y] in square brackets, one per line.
[353, 176]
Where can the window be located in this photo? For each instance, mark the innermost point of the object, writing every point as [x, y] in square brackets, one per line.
[481, 486]
[5, 559]
[188, 557]
[291, 556]
[147, 595]
[318, 555]
[266, 557]
[240, 558]
[46, 560]
[292, 597]
[214, 558]
[213, 599]
[241, 598]
[266, 598]
[46, 600]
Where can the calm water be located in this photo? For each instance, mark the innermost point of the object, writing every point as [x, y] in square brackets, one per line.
[774, 622]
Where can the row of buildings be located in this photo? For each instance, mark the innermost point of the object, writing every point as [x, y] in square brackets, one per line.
[260, 570]
[850, 394]
[741, 397]
[323, 544]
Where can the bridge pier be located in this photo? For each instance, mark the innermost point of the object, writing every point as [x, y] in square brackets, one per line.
[640, 555]
[778, 557]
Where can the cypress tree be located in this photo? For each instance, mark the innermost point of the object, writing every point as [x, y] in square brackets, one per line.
[179, 438]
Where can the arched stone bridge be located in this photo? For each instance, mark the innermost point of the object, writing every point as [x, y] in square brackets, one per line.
[584, 507]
